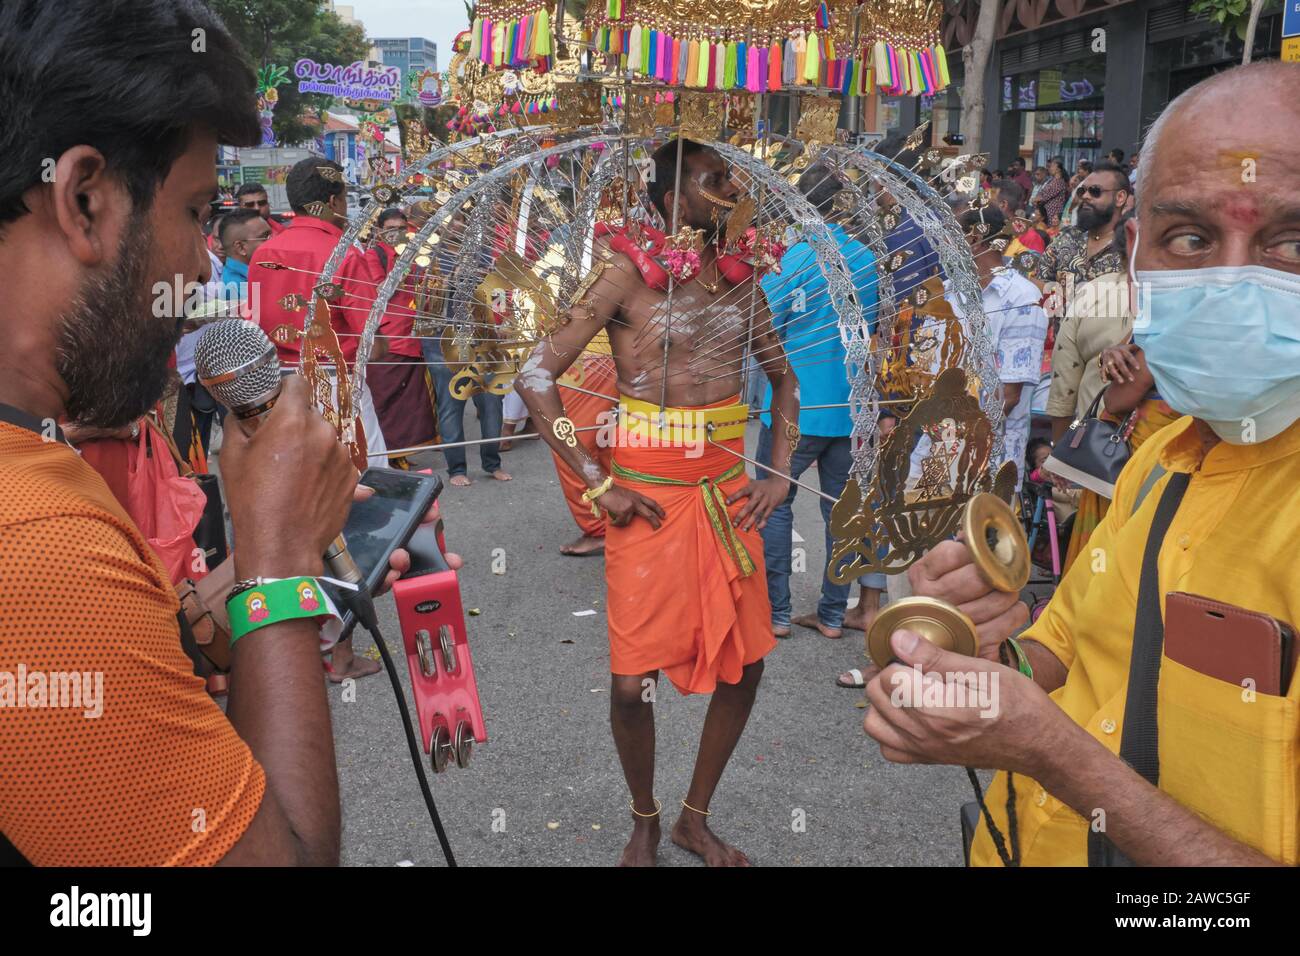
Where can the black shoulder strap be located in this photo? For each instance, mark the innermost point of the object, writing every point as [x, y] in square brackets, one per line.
[1140, 744]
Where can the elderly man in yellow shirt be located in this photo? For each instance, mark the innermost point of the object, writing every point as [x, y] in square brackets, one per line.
[1216, 254]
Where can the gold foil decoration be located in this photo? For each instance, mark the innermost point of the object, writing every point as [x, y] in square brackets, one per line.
[333, 392]
[818, 118]
[700, 113]
[642, 115]
[741, 218]
[892, 525]
[577, 104]
[293, 302]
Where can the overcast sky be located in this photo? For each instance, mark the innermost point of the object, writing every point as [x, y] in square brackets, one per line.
[436, 20]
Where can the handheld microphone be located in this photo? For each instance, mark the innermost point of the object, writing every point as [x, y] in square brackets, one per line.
[238, 365]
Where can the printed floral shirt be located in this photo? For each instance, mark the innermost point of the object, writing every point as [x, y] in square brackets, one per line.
[1068, 253]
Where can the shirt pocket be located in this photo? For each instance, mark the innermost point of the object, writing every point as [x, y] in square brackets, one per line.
[1230, 758]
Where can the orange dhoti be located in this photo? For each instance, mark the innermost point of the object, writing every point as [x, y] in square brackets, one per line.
[690, 598]
[597, 375]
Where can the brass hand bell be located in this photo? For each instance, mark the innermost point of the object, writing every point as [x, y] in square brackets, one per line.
[1001, 555]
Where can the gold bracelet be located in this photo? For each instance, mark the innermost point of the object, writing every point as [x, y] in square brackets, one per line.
[591, 494]
[706, 813]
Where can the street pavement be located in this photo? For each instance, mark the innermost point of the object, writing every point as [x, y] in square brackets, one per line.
[805, 786]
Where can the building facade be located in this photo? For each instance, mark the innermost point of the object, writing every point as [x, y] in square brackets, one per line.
[408, 53]
[1082, 77]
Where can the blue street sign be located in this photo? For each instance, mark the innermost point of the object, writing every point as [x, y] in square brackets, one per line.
[1291, 18]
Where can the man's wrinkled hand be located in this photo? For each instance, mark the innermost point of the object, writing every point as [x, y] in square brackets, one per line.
[1005, 721]
[948, 572]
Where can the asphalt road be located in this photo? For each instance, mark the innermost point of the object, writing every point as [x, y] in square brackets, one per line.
[805, 786]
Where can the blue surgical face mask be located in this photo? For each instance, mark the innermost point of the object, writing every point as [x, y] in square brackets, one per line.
[1223, 345]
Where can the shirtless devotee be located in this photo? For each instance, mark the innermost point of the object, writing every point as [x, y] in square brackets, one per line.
[683, 555]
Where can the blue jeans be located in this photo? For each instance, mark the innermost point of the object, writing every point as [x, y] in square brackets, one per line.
[451, 416]
[833, 456]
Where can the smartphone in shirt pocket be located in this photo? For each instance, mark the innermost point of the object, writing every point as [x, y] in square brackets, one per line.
[1230, 643]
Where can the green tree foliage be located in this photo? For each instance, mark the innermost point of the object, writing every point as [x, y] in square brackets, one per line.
[1232, 15]
[283, 32]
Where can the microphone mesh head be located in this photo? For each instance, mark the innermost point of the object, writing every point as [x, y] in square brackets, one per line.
[229, 346]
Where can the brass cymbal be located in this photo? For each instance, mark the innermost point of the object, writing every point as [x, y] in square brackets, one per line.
[997, 542]
[937, 621]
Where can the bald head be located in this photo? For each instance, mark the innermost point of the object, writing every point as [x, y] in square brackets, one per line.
[1219, 181]
[1218, 101]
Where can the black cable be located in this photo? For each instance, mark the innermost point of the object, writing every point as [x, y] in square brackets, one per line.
[410, 740]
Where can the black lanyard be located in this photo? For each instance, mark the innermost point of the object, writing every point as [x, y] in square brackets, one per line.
[16, 416]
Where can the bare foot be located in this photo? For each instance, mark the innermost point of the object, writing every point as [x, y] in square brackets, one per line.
[690, 832]
[505, 446]
[583, 546]
[347, 666]
[461, 481]
[812, 622]
[780, 630]
[860, 618]
[500, 475]
[643, 848]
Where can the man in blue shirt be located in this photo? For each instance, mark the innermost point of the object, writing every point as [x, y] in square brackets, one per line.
[805, 319]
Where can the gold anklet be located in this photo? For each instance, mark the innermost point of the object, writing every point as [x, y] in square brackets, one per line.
[706, 813]
[631, 805]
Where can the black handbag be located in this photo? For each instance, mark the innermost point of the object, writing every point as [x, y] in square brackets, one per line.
[1094, 451]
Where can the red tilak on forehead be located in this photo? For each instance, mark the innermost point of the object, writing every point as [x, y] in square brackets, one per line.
[1241, 210]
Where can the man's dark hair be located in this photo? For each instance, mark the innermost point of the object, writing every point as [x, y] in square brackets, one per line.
[820, 186]
[1011, 191]
[235, 218]
[305, 184]
[120, 76]
[991, 216]
[392, 212]
[1120, 176]
[1086, 166]
[891, 147]
[1017, 161]
[665, 172]
[1116, 156]
[249, 189]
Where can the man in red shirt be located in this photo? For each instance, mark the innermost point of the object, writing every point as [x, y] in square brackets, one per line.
[1016, 173]
[253, 196]
[287, 265]
[280, 279]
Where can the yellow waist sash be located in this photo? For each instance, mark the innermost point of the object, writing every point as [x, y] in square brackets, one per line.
[682, 425]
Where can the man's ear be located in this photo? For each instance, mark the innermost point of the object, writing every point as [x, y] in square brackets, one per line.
[670, 197]
[86, 203]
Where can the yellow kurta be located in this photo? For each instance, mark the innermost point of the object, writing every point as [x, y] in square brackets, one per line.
[1231, 760]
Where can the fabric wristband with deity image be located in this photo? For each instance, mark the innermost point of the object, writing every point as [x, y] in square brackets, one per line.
[273, 600]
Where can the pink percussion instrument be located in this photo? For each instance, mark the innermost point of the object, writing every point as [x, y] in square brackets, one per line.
[437, 653]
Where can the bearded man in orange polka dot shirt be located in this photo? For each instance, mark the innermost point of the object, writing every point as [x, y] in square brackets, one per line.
[102, 191]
